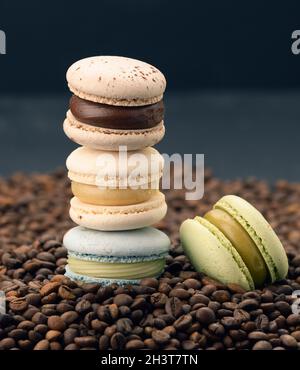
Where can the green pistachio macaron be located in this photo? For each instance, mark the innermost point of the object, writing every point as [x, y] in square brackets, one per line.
[233, 243]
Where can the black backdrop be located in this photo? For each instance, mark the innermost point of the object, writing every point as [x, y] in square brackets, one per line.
[196, 43]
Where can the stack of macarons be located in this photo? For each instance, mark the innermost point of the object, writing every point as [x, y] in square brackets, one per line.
[233, 243]
[116, 114]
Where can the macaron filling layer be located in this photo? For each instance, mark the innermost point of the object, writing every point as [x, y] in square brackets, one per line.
[116, 117]
[128, 271]
[242, 242]
[92, 194]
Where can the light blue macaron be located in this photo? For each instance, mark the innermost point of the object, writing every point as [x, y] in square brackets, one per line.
[115, 247]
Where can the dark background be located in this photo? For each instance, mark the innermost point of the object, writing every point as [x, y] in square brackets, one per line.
[233, 83]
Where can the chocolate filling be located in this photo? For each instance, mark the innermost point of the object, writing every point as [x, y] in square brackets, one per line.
[122, 118]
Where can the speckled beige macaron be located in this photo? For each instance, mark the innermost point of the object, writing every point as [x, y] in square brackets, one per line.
[117, 101]
[116, 80]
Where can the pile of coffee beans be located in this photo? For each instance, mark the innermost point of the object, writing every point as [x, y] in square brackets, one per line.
[180, 310]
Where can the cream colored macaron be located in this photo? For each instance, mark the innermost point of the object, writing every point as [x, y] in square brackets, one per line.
[116, 190]
[116, 80]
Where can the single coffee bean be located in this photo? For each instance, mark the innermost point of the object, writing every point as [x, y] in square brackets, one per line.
[86, 341]
[117, 341]
[183, 322]
[199, 298]
[230, 322]
[179, 293]
[83, 306]
[18, 334]
[65, 292]
[205, 315]
[123, 300]
[42, 345]
[53, 335]
[49, 288]
[149, 282]
[124, 325]
[33, 299]
[262, 322]
[160, 337]
[18, 304]
[249, 305]
[56, 323]
[293, 319]
[39, 318]
[69, 317]
[69, 335]
[216, 329]
[262, 345]
[104, 342]
[135, 344]
[221, 296]
[158, 300]
[173, 307]
[258, 335]
[288, 341]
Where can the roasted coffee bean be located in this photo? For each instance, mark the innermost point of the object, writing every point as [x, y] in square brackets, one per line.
[56, 323]
[42, 345]
[39, 318]
[134, 344]
[179, 293]
[65, 292]
[205, 315]
[258, 335]
[158, 300]
[69, 317]
[216, 329]
[83, 306]
[86, 341]
[124, 325]
[221, 296]
[149, 282]
[18, 334]
[199, 298]
[293, 319]
[123, 300]
[288, 341]
[69, 335]
[160, 337]
[173, 307]
[230, 323]
[18, 304]
[249, 304]
[262, 322]
[183, 322]
[117, 341]
[49, 288]
[262, 345]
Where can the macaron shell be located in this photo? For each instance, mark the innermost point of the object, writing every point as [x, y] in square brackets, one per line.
[95, 167]
[211, 252]
[260, 231]
[115, 218]
[109, 139]
[116, 80]
[138, 243]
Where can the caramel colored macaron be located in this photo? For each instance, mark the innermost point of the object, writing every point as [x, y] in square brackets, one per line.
[116, 191]
[117, 101]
